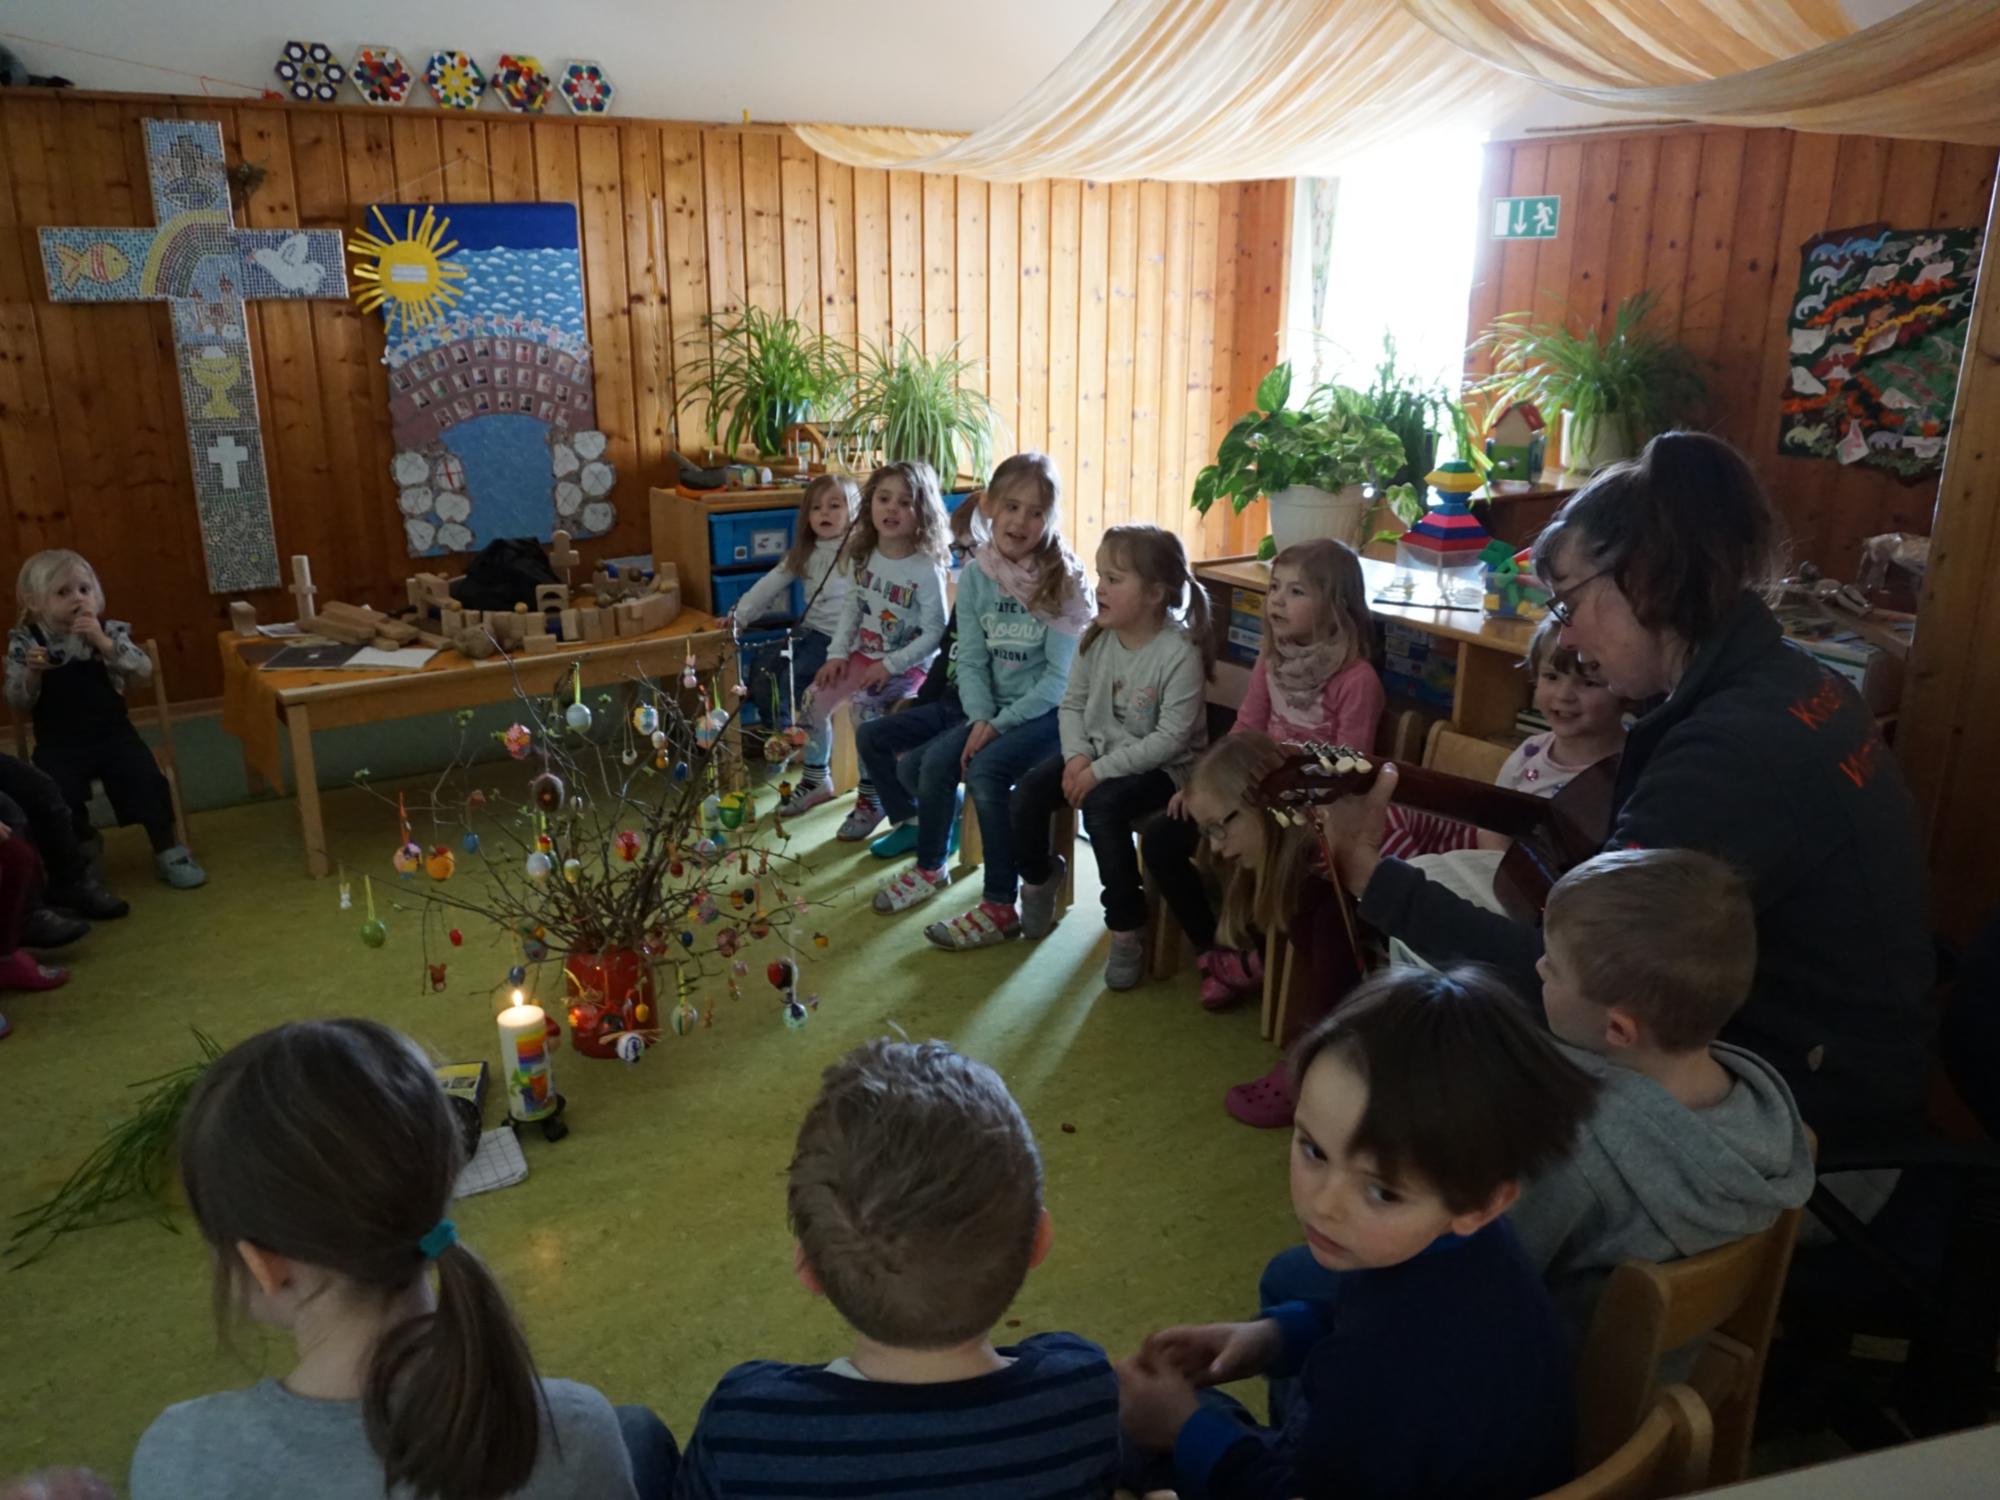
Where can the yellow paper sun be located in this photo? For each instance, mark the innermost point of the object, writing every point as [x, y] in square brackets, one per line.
[408, 274]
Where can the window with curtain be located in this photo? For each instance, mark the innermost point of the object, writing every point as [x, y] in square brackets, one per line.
[1385, 248]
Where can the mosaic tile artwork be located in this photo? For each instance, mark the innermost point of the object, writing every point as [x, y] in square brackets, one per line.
[522, 83]
[381, 76]
[492, 401]
[585, 88]
[203, 267]
[454, 80]
[309, 72]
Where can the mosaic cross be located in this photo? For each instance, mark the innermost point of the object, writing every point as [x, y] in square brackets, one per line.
[205, 269]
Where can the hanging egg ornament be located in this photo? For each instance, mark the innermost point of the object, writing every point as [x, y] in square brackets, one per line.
[646, 719]
[572, 869]
[680, 770]
[539, 865]
[407, 858]
[683, 1018]
[374, 932]
[795, 1016]
[470, 843]
[659, 739]
[475, 799]
[517, 975]
[780, 972]
[726, 942]
[709, 729]
[577, 716]
[629, 1048]
[820, 940]
[547, 791]
[517, 738]
[533, 948]
[676, 868]
[441, 864]
[627, 844]
[457, 938]
[739, 968]
[437, 977]
[544, 843]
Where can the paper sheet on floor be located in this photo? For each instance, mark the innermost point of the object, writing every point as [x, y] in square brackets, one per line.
[497, 1163]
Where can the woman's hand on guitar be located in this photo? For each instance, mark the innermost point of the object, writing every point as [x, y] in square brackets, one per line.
[1354, 827]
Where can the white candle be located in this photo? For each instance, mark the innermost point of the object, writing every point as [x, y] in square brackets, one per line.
[524, 1062]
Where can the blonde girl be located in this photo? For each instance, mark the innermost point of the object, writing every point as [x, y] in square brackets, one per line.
[894, 617]
[1314, 679]
[1130, 722]
[1273, 882]
[68, 666]
[827, 513]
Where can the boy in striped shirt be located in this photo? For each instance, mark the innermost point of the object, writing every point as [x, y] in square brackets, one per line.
[916, 1202]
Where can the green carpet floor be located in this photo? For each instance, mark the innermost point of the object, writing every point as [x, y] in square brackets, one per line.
[647, 1253]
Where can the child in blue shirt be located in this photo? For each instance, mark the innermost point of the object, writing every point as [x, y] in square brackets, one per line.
[1429, 1359]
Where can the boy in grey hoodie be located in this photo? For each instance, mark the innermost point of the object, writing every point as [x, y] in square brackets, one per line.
[1694, 1143]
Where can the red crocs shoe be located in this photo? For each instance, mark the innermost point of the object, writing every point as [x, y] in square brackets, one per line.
[1228, 976]
[19, 971]
[1265, 1104]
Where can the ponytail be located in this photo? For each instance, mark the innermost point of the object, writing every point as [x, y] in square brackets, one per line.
[1155, 556]
[453, 1405]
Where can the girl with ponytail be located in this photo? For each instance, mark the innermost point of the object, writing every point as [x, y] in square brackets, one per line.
[319, 1160]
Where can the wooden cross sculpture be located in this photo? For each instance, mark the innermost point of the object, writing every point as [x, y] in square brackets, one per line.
[198, 262]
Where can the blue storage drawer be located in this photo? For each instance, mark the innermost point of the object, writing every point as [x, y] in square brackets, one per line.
[729, 587]
[741, 537]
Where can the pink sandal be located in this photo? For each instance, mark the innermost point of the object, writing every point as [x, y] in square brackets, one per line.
[1228, 976]
[1265, 1104]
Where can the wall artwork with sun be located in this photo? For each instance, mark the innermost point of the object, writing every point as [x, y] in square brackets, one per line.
[490, 379]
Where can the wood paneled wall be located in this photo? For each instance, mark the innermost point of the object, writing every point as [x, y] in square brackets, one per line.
[1122, 326]
[1712, 219]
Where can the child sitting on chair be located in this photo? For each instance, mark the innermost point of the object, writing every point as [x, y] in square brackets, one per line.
[1693, 1143]
[1428, 1358]
[68, 667]
[916, 1203]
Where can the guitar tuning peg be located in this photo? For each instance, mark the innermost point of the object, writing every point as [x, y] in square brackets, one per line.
[1326, 764]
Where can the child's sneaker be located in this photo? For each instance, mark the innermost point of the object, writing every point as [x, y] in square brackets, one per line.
[1038, 902]
[1127, 964]
[901, 892]
[805, 797]
[19, 971]
[901, 839]
[1265, 1104]
[981, 927]
[861, 822]
[89, 899]
[178, 869]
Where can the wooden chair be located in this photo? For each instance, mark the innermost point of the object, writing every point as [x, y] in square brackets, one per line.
[845, 767]
[1447, 750]
[163, 752]
[1726, 1301]
[1667, 1454]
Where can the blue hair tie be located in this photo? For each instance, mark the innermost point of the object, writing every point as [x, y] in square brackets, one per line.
[443, 1235]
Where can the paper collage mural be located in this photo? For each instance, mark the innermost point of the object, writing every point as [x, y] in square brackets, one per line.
[1877, 333]
[490, 380]
[204, 268]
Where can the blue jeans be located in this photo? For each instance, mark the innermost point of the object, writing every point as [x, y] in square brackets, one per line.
[990, 779]
[896, 761]
[769, 682]
[654, 1453]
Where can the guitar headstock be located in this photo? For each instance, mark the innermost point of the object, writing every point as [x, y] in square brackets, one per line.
[1312, 775]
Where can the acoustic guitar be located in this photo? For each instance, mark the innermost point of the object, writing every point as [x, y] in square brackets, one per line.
[1551, 835]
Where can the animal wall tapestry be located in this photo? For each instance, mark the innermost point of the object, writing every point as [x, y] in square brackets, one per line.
[490, 390]
[1877, 334]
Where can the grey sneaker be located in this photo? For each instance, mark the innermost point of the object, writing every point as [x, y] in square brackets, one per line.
[1038, 902]
[805, 797]
[1127, 964]
[862, 821]
[178, 869]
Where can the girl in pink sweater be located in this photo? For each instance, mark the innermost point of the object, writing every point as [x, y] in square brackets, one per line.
[1314, 680]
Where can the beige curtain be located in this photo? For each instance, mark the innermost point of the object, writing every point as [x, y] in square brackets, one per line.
[1221, 90]
[1931, 72]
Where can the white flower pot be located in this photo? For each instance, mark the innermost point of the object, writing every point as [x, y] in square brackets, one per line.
[1586, 449]
[1304, 514]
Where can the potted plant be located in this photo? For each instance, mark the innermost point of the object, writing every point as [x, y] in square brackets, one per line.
[1314, 463]
[764, 373]
[1411, 407]
[1614, 393]
[903, 404]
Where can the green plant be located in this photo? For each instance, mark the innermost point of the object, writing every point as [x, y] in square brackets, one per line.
[1333, 441]
[764, 373]
[904, 404]
[1410, 407]
[1637, 379]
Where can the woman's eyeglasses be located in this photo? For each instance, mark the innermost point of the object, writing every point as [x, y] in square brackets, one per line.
[1563, 605]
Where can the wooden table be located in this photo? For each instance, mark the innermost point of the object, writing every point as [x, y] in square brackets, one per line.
[1490, 688]
[255, 701]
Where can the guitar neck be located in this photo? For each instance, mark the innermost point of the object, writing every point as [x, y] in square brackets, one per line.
[1498, 809]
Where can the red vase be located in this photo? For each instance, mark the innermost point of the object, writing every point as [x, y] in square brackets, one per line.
[609, 993]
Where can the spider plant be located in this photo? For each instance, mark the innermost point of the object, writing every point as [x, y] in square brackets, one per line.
[905, 404]
[765, 371]
[1410, 407]
[1638, 380]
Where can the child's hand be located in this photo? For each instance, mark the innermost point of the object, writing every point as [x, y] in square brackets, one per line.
[1215, 1353]
[1353, 829]
[1154, 1402]
[875, 675]
[37, 659]
[982, 735]
[1177, 805]
[1079, 779]
[828, 675]
[87, 626]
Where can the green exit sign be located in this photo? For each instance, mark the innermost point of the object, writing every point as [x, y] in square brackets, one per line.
[1526, 218]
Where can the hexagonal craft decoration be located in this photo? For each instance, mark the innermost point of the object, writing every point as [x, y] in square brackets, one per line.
[455, 80]
[585, 88]
[381, 76]
[309, 72]
[522, 83]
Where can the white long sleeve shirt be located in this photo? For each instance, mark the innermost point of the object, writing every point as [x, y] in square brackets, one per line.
[823, 604]
[895, 613]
